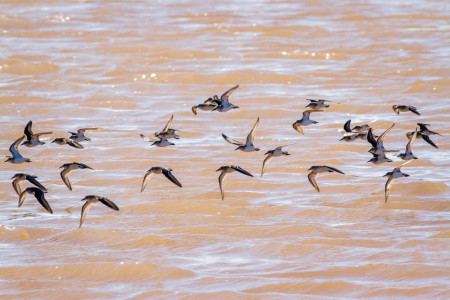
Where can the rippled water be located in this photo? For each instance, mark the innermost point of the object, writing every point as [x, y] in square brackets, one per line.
[127, 67]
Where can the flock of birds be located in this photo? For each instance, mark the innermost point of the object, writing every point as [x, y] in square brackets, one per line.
[222, 104]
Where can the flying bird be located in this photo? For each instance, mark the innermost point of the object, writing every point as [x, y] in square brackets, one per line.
[167, 132]
[64, 141]
[39, 194]
[79, 136]
[248, 146]
[208, 105]
[271, 154]
[91, 199]
[319, 169]
[405, 108]
[317, 104]
[224, 171]
[16, 157]
[19, 177]
[424, 129]
[225, 105]
[396, 173]
[408, 152]
[67, 168]
[305, 120]
[158, 170]
[377, 144]
[32, 138]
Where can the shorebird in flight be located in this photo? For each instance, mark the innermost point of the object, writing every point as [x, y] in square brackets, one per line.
[396, 173]
[79, 135]
[317, 104]
[377, 144]
[208, 105]
[16, 157]
[273, 153]
[19, 177]
[319, 169]
[158, 170]
[248, 146]
[305, 120]
[67, 168]
[408, 152]
[33, 138]
[64, 141]
[225, 105]
[224, 171]
[39, 194]
[405, 108]
[91, 199]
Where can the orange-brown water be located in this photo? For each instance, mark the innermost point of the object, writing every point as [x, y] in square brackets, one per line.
[126, 67]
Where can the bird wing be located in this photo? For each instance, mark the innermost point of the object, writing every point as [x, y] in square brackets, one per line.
[22, 197]
[42, 133]
[266, 160]
[84, 210]
[28, 132]
[147, 139]
[83, 166]
[40, 197]
[16, 186]
[414, 110]
[169, 123]
[347, 126]
[194, 109]
[221, 182]
[108, 203]
[387, 188]
[251, 135]
[65, 177]
[308, 112]
[170, 176]
[298, 128]
[381, 137]
[240, 170]
[231, 141]
[411, 142]
[429, 141]
[312, 180]
[14, 148]
[82, 130]
[334, 169]
[371, 139]
[74, 144]
[224, 97]
[147, 177]
[33, 180]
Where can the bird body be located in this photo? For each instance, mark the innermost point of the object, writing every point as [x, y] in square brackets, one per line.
[16, 157]
[225, 105]
[248, 146]
[80, 136]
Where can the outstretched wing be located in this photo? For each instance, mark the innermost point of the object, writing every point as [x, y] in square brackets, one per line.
[231, 141]
[347, 127]
[334, 169]
[240, 170]
[387, 188]
[169, 123]
[147, 177]
[381, 137]
[224, 97]
[429, 141]
[74, 144]
[108, 203]
[251, 135]
[221, 182]
[371, 139]
[40, 197]
[411, 142]
[33, 180]
[298, 128]
[14, 147]
[170, 176]
[312, 180]
[266, 160]
[65, 177]
[28, 132]
[84, 210]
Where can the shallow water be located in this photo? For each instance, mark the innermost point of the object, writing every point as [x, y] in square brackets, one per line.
[127, 67]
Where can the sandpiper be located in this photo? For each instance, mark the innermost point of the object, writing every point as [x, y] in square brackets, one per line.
[377, 144]
[208, 105]
[423, 136]
[19, 177]
[157, 142]
[396, 173]
[79, 135]
[405, 108]
[167, 132]
[68, 168]
[317, 104]
[379, 159]
[248, 146]
[32, 138]
[349, 135]
[305, 120]
[16, 157]
[225, 104]
[424, 129]
[91, 199]
[319, 169]
[39, 194]
[273, 153]
[158, 170]
[408, 152]
[64, 141]
[224, 171]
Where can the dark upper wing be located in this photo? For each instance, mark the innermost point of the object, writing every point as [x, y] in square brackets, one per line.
[347, 126]
[108, 203]
[335, 170]
[74, 144]
[169, 123]
[33, 180]
[381, 137]
[429, 141]
[40, 197]
[172, 178]
[371, 139]
[28, 132]
[239, 169]
[224, 97]
[231, 141]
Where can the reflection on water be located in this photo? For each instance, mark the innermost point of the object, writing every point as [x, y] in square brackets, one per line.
[127, 68]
